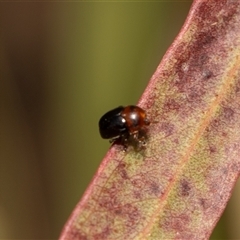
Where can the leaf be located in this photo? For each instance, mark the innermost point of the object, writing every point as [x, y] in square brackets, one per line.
[177, 187]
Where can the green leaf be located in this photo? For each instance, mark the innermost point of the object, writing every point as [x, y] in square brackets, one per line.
[178, 187]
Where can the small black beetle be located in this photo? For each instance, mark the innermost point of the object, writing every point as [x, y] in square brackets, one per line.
[124, 123]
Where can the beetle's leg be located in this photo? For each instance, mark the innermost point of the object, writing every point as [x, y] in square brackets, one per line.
[113, 140]
[124, 141]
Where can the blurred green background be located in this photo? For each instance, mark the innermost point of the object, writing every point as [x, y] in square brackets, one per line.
[63, 65]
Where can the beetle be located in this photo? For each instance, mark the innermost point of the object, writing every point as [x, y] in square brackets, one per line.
[124, 124]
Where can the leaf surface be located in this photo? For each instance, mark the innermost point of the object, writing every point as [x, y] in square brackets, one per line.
[178, 187]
